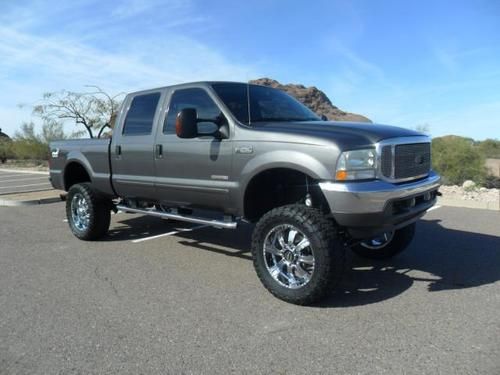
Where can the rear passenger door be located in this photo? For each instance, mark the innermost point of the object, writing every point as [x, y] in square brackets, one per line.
[193, 171]
[132, 150]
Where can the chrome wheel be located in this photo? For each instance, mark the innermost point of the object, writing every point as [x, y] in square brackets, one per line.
[288, 256]
[80, 212]
[378, 242]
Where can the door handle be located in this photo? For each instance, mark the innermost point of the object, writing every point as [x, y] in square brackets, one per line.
[118, 150]
[159, 151]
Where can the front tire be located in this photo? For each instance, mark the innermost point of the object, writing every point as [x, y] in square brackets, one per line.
[88, 213]
[387, 245]
[296, 254]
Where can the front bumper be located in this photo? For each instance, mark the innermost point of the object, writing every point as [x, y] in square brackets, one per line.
[368, 208]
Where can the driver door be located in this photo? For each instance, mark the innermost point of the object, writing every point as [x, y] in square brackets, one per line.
[193, 172]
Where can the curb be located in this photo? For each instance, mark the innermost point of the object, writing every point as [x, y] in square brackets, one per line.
[491, 206]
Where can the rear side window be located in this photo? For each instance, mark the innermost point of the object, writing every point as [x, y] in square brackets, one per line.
[140, 116]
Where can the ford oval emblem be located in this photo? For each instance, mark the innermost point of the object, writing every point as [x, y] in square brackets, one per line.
[419, 159]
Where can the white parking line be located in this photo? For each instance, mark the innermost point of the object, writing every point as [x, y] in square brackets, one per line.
[113, 213]
[22, 179]
[10, 175]
[19, 186]
[21, 171]
[169, 233]
[434, 208]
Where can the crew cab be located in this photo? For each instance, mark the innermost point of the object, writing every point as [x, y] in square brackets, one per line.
[223, 153]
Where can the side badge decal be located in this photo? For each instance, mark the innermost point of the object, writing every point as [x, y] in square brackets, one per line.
[244, 150]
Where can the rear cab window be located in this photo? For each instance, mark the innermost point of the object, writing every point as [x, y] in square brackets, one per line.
[141, 114]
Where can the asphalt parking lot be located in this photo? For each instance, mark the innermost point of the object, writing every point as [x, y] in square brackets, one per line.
[22, 182]
[159, 297]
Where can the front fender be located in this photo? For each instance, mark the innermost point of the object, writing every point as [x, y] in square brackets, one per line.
[295, 160]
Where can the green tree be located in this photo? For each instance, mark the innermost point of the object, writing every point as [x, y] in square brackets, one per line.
[26, 133]
[489, 148]
[53, 131]
[423, 128]
[457, 160]
[30, 144]
[5, 149]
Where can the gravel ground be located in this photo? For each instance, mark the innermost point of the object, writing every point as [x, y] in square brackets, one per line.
[477, 194]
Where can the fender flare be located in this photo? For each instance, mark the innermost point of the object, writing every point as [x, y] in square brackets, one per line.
[293, 160]
[78, 158]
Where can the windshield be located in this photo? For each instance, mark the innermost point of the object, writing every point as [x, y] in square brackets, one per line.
[266, 104]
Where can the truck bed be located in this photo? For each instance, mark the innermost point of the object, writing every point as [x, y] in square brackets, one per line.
[92, 154]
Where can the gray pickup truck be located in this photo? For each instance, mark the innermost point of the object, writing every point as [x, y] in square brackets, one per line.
[222, 153]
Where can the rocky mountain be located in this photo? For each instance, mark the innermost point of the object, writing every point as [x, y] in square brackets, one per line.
[3, 135]
[314, 98]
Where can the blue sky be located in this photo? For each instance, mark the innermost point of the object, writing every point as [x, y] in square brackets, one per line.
[404, 63]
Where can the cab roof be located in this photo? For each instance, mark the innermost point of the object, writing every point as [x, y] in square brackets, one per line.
[188, 85]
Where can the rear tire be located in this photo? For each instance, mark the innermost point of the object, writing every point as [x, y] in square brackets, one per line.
[399, 240]
[88, 213]
[296, 254]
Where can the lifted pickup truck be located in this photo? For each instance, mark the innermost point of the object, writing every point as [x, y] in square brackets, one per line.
[251, 153]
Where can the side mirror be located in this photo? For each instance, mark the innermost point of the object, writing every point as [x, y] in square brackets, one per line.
[186, 123]
[324, 118]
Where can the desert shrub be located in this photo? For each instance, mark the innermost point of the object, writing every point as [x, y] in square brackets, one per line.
[491, 182]
[456, 160]
[5, 149]
[28, 144]
[489, 148]
[30, 150]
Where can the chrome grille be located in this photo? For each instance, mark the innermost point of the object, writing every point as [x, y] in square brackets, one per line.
[386, 161]
[410, 160]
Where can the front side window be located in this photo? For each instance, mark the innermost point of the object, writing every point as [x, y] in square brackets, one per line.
[141, 114]
[266, 104]
[199, 100]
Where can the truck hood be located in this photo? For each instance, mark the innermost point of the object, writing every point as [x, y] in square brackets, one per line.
[344, 134]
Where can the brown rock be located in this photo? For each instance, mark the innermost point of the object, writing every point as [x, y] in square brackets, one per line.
[314, 98]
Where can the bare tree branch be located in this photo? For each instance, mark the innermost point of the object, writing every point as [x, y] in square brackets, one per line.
[91, 109]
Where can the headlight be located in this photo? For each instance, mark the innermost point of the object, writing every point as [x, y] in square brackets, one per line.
[356, 165]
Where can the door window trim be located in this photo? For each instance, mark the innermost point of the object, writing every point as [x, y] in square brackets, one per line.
[158, 111]
[168, 100]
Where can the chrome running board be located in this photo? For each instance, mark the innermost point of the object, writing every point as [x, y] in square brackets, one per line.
[173, 216]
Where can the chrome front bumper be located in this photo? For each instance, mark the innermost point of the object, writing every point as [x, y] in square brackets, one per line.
[375, 206]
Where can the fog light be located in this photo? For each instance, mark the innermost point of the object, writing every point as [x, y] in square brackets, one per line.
[308, 200]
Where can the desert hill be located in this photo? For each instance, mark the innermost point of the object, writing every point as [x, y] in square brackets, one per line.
[314, 98]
